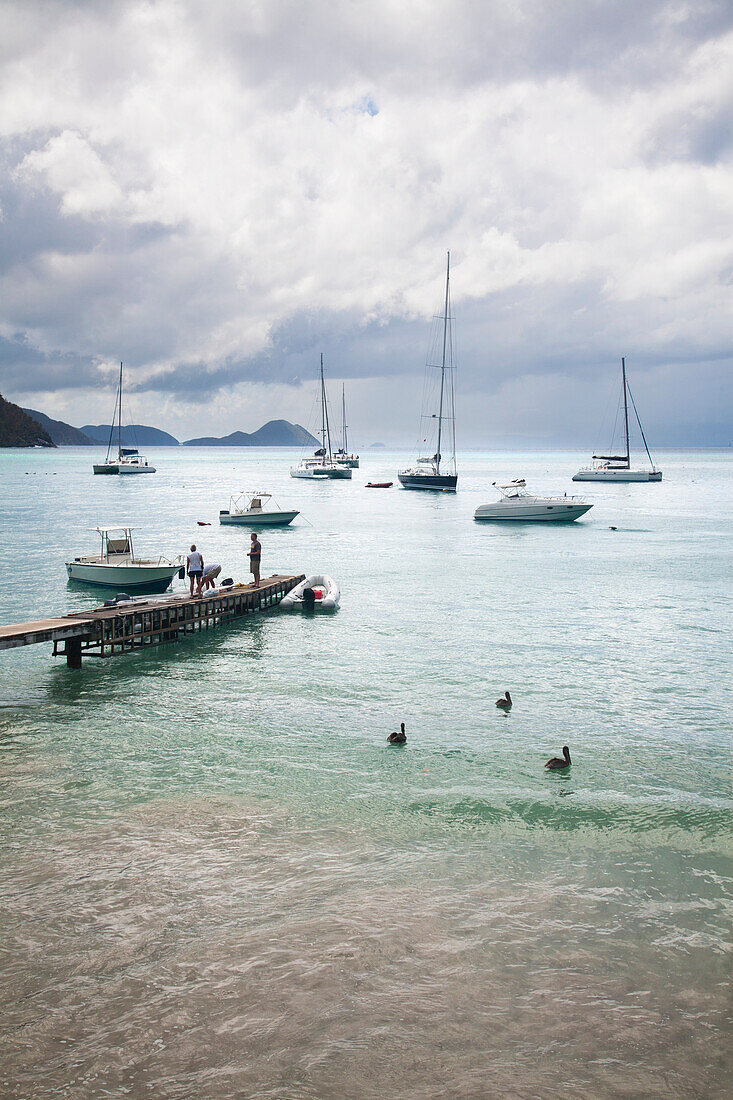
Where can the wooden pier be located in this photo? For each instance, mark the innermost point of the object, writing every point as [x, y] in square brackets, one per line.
[109, 631]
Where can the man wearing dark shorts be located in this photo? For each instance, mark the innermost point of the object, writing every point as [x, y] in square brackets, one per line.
[195, 569]
[255, 555]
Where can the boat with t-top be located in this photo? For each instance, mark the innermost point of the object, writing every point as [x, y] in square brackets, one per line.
[618, 467]
[519, 506]
[116, 566]
[256, 510]
[437, 471]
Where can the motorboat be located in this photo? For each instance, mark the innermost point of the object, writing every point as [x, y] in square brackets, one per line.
[316, 593]
[117, 567]
[132, 462]
[517, 505]
[256, 510]
[438, 418]
[128, 460]
[618, 467]
[379, 484]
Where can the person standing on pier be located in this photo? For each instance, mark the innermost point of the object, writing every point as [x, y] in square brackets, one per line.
[255, 556]
[195, 569]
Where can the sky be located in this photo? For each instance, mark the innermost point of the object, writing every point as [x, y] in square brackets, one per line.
[217, 193]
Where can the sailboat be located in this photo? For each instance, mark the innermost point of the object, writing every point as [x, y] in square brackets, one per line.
[342, 456]
[618, 467]
[129, 460]
[435, 471]
[322, 465]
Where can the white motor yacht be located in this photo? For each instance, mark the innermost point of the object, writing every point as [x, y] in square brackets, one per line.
[517, 505]
[256, 510]
[117, 567]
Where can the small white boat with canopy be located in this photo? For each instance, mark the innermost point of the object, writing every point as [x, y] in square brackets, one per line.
[517, 505]
[116, 566]
[618, 467]
[256, 510]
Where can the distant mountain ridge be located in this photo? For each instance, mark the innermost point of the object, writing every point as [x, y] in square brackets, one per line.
[276, 433]
[18, 429]
[62, 435]
[133, 435]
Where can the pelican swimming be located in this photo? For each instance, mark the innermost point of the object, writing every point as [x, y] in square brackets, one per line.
[557, 763]
[396, 738]
[505, 703]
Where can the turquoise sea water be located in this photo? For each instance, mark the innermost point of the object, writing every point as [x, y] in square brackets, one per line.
[217, 877]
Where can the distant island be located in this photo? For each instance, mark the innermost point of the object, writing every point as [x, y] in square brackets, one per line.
[133, 435]
[18, 429]
[276, 433]
[63, 435]
[30, 428]
[376, 446]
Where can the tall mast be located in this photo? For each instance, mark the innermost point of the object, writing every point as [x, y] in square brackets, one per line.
[344, 443]
[626, 413]
[326, 430]
[442, 366]
[119, 421]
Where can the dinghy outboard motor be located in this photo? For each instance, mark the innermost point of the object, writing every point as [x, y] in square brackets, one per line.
[182, 573]
[309, 599]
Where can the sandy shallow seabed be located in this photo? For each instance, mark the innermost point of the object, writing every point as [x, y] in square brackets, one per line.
[218, 880]
[203, 949]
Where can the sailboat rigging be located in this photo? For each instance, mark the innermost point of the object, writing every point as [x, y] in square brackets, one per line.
[129, 460]
[323, 464]
[428, 473]
[618, 467]
[342, 456]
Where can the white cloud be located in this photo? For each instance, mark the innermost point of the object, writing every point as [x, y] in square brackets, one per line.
[257, 180]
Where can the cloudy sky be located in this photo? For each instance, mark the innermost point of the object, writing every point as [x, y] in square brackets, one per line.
[217, 192]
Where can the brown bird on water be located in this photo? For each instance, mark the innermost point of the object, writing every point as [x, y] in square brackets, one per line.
[398, 738]
[505, 703]
[557, 763]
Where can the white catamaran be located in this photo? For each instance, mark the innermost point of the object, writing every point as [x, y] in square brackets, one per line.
[129, 460]
[618, 467]
[322, 465]
[435, 472]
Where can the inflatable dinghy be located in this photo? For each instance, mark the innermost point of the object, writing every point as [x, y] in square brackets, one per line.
[316, 593]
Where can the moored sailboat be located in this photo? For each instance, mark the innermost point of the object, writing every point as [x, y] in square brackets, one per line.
[342, 456]
[129, 460]
[323, 464]
[435, 471]
[618, 467]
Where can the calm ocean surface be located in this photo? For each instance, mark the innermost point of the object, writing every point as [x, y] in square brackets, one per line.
[216, 877]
